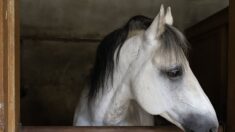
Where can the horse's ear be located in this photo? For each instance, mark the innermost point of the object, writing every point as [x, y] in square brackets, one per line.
[157, 26]
[168, 17]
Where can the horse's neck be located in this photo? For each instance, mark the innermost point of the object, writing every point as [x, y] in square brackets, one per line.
[118, 106]
[113, 103]
[113, 106]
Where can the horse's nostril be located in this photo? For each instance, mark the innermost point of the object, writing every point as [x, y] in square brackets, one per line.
[213, 129]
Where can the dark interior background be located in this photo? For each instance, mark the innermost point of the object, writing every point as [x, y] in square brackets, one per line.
[59, 40]
[209, 58]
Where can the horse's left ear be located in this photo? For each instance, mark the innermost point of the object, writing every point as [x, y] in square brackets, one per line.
[157, 26]
[168, 17]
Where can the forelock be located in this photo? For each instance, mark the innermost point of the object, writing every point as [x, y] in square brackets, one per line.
[174, 45]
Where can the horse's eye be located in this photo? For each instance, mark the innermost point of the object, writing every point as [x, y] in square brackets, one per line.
[174, 73]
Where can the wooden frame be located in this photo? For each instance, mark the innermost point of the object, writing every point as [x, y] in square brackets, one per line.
[9, 73]
[231, 70]
[9, 66]
[101, 129]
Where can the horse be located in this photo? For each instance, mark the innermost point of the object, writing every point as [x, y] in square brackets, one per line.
[142, 70]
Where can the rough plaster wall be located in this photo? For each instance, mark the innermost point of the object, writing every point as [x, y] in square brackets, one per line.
[53, 73]
[87, 18]
[59, 39]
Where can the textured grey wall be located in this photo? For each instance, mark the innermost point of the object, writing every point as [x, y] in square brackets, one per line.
[52, 75]
[89, 18]
[59, 39]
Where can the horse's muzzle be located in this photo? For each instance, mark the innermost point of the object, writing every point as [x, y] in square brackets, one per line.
[200, 123]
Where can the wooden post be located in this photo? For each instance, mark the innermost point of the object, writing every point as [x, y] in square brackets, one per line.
[9, 66]
[2, 63]
[231, 70]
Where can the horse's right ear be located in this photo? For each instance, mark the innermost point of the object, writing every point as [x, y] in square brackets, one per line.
[168, 17]
[157, 26]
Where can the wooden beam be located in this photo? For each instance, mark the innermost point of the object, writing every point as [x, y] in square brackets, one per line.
[9, 66]
[13, 99]
[3, 64]
[231, 70]
[102, 129]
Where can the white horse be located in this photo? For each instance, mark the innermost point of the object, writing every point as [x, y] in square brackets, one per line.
[142, 70]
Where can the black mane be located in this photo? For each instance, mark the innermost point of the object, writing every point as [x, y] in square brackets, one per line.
[104, 63]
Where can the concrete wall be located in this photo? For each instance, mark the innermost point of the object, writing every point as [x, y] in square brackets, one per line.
[52, 75]
[59, 39]
[89, 18]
